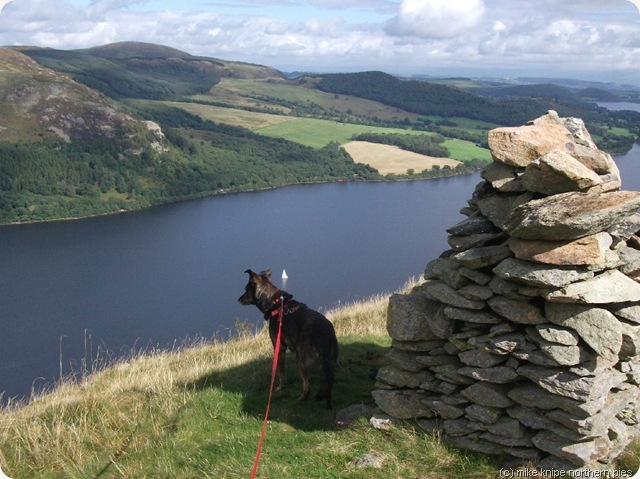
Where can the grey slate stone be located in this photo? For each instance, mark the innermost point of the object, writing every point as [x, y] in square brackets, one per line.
[516, 311]
[563, 383]
[482, 257]
[539, 275]
[597, 327]
[487, 394]
[609, 287]
[439, 291]
[571, 215]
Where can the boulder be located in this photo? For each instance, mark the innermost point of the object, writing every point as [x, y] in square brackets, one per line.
[497, 207]
[563, 383]
[481, 359]
[495, 374]
[484, 414]
[402, 403]
[487, 394]
[558, 172]
[597, 327]
[554, 334]
[587, 251]
[399, 378]
[569, 216]
[504, 178]
[533, 396]
[519, 146]
[580, 453]
[609, 287]
[438, 291]
[471, 316]
[477, 258]
[408, 317]
[445, 270]
[516, 311]
[539, 275]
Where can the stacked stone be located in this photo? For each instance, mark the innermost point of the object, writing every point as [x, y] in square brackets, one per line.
[525, 338]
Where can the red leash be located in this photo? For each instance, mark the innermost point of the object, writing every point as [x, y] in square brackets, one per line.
[276, 355]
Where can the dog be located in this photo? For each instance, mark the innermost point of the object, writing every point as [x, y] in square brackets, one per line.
[306, 332]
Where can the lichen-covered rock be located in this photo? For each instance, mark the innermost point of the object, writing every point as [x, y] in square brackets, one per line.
[402, 403]
[590, 250]
[408, 317]
[519, 146]
[609, 287]
[596, 326]
[535, 356]
[539, 275]
[570, 216]
[558, 172]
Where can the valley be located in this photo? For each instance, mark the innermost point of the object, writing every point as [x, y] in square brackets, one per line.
[130, 125]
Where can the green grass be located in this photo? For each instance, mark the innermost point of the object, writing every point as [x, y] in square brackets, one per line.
[283, 96]
[318, 133]
[465, 150]
[197, 413]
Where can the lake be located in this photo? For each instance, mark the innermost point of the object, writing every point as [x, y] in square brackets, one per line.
[103, 287]
[619, 105]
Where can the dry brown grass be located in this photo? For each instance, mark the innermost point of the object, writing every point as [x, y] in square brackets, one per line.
[232, 116]
[391, 159]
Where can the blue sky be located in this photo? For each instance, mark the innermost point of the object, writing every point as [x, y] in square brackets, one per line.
[586, 39]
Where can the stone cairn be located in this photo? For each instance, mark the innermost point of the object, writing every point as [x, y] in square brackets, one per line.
[524, 341]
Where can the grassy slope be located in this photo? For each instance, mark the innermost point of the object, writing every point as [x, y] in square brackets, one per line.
[316, 133]
[197, 413]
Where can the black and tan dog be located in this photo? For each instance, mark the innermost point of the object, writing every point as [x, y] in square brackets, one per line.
[306, 332]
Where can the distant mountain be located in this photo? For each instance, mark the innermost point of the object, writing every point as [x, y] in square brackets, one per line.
[144, 70]
[70, 147]
[38, 103]
[548, 90]
[429, 98]
[69, 151]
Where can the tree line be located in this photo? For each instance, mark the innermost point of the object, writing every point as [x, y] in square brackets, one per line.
[53, 179]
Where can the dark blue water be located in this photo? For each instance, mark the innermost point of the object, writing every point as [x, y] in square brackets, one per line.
[71, 291]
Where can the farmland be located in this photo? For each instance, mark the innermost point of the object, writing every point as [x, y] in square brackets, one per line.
[313, 118]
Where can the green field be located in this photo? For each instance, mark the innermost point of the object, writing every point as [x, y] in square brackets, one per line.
[466, 151]
[318, 133]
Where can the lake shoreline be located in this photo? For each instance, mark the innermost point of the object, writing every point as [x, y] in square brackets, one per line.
[395, 179]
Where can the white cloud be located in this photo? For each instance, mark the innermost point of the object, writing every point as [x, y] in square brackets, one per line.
[636, 3]
[436, 19]
[457, 37]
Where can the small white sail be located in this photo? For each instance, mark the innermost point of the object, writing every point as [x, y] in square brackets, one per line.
[284, 274]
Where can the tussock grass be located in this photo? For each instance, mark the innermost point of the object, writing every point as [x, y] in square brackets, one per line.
[196, 412]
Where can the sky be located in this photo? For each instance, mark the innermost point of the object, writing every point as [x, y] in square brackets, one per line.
[583, 39]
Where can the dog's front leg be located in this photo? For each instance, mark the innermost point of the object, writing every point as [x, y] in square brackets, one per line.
[280, 373]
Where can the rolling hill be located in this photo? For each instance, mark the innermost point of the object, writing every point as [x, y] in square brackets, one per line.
[129, 125]
[143, 70]
[67, 150]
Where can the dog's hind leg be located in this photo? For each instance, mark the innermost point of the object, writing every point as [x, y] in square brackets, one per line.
[327, 371]
[304, 374]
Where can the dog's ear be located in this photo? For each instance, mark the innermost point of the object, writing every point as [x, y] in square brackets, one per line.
[250, 273]
[266, 273]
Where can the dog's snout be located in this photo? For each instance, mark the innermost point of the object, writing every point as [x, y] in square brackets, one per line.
[243, 299]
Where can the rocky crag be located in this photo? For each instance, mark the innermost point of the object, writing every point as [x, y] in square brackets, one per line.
[524, 340]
